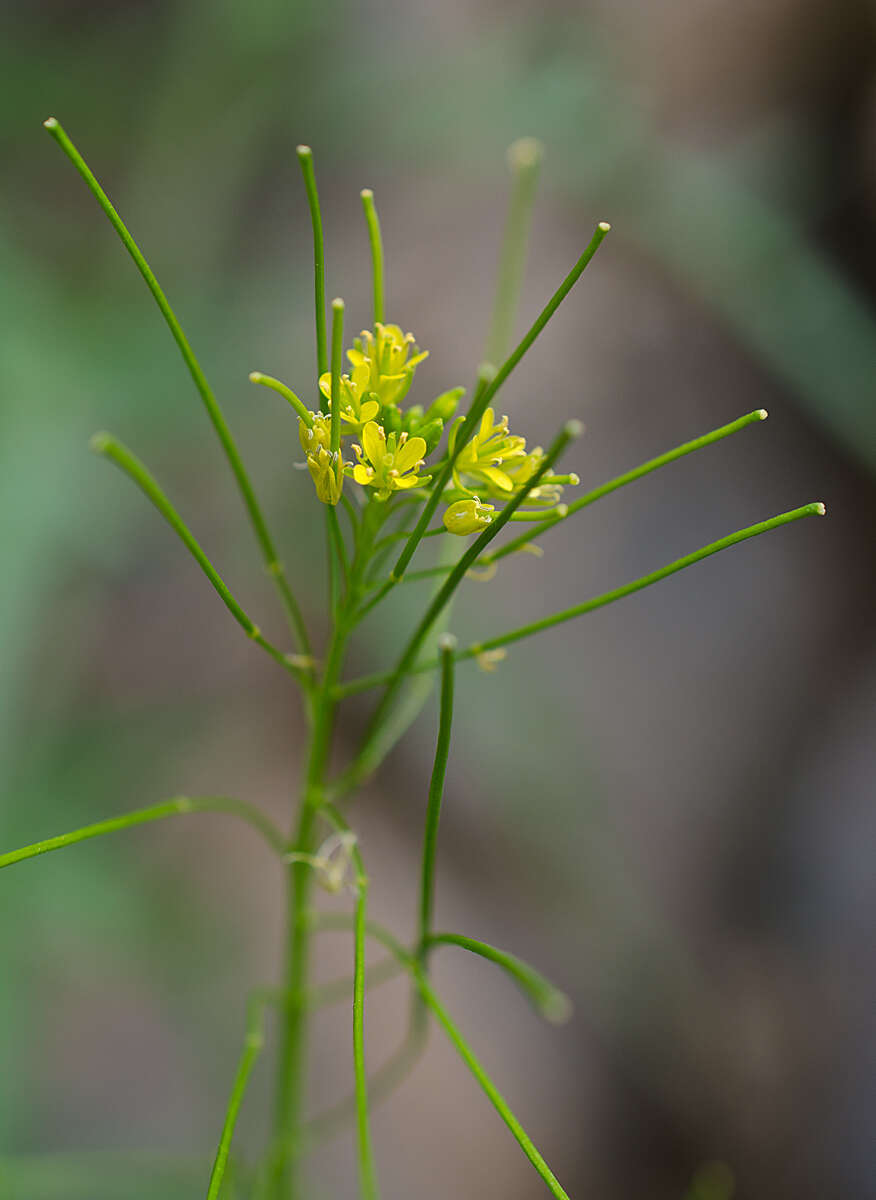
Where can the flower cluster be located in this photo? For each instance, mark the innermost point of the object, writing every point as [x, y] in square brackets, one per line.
[394, 444]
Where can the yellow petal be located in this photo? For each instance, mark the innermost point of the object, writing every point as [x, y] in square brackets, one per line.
[369, 410]
[362, 474]
[409, 481]
[374, 442]
[325, 385]
[497, 478]
[408, 455]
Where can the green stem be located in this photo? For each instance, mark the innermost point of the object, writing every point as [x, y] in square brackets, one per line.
[336, 991]
[292, 1055]
[381, 1086]
[252, 1048]
[337, 364]
[269, 553]
[477, 648]
[620, 481]
[367, 1175]
[571, 430]
[524, 159]
[337, 539]
[447, 645]
[409, 961]
[553, 1004]
[106, 444]
[305, 158]
[495, 1096]
[285, 1165]
[286, 392]
[376, 251]
[485, 394]
[178, 806]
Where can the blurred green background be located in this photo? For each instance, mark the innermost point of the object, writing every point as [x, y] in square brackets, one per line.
[666, 806]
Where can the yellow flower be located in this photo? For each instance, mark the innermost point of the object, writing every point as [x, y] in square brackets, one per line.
[358, 403]
[468, 516]
[490, 456]
[390, 358]
[389, 463]
[326, 469]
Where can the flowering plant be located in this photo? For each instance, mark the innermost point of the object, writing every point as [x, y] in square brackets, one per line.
[390, 465]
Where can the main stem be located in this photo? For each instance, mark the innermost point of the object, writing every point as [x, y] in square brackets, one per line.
[293, 1057]
[292, 1068]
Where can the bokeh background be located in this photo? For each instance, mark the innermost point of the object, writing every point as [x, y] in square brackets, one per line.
[667, 806]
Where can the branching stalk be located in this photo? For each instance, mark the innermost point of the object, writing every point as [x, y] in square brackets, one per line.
[178, 806]
[257, 520]
[110, 447]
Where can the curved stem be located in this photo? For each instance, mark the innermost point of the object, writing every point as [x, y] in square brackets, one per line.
[278, 386]
[409, 961]
[257, 520]
[553, 1004]
[178, 806]
[110, 447]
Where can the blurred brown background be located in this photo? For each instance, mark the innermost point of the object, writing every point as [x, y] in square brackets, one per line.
[667, 806]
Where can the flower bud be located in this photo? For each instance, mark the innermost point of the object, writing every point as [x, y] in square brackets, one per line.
[445, 405]
[468, 516]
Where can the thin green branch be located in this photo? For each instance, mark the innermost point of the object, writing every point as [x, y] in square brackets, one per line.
[401, 1062]
[376, 250]
[291, 1067]
[107, 445]
[495, 1096]
[381, 1085]
[305, 158]
[570, 431]
[269, 553]
[553, 1004]
[524, 159]
[252, 1048]
[485, 394]
[178, 806]
[337, 367]
[336, 991]
[637, 585]
[367, 1174]
[620, 481]
[286, 392]
[337, 540]
[466, 1053]
[447, 646]
[354, 686]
